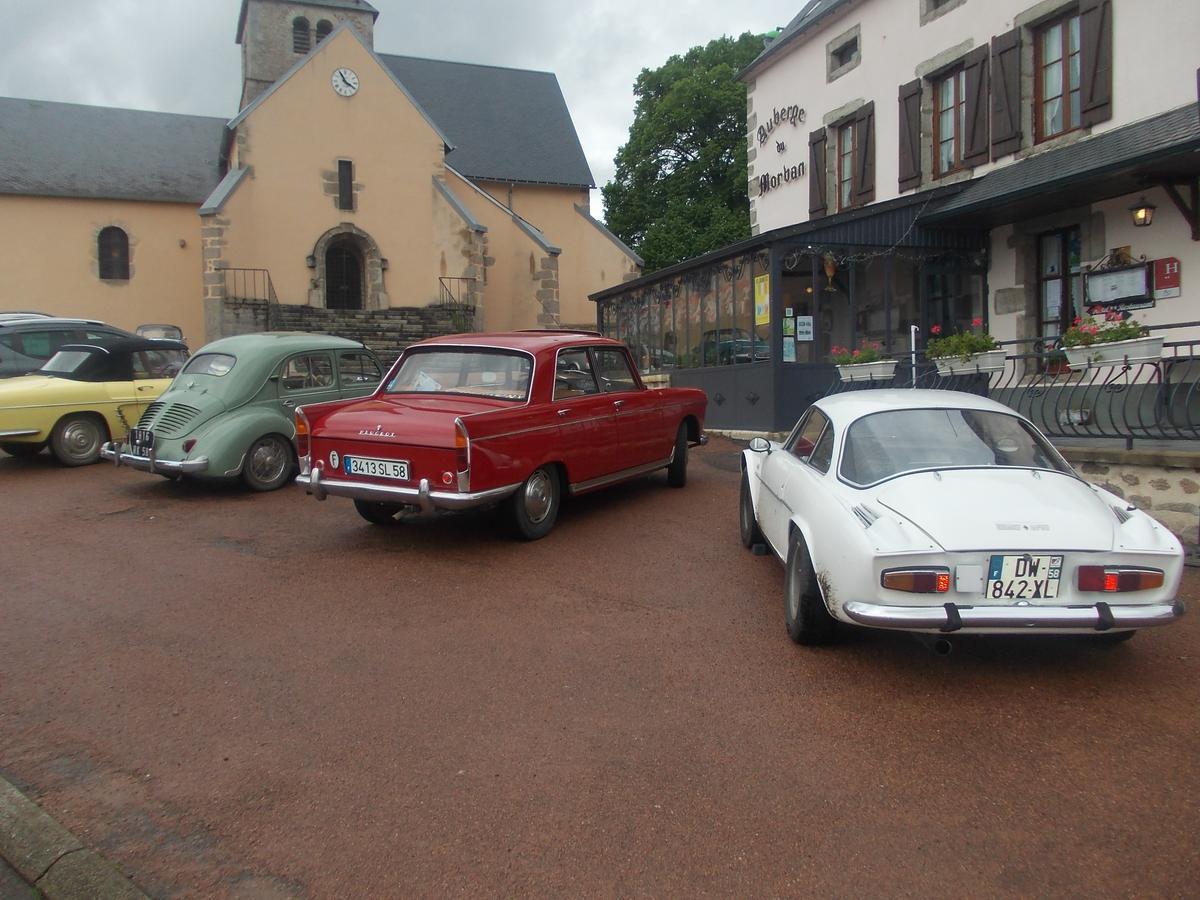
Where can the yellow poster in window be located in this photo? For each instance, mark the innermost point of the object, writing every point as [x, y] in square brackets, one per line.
[762, 300]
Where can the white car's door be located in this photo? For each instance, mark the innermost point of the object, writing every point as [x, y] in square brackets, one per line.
[780, 471]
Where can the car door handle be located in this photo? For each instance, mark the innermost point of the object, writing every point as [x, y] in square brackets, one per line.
[618, 403]
[564, 412]
[289, 403]
[146, 387]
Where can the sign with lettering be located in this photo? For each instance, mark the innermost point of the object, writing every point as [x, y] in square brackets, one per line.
[762, 300]
[789, 115]
[1127, 283]
[769, 182]
[804, 328]
[1167, 278]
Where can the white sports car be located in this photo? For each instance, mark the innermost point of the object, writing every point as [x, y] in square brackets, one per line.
[941, 512]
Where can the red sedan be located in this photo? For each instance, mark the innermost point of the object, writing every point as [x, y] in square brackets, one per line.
[520, 418]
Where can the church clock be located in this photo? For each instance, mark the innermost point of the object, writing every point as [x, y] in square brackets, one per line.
[345, 82]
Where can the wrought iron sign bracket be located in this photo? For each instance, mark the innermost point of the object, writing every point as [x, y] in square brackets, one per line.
[1189, 211]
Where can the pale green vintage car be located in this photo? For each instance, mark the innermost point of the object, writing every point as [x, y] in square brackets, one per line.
[231, 411]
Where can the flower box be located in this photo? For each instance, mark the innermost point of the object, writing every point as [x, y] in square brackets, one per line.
[1116, 353]
[989, 361]
[880, 370]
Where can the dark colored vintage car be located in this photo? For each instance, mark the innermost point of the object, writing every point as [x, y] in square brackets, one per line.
[720, 347]
[520, 418]
[28, 340]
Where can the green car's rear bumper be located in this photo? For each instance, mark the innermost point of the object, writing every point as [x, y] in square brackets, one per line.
[148, 463]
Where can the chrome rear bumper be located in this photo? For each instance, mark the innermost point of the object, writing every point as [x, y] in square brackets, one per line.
[951, 617]
[112, 451]
[420, 496]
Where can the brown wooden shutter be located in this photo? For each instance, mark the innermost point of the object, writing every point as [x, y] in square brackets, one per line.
[817, 202]
[976, 147]
[864, 155]
[1095, 61]
[1006, 93]
[910, 135]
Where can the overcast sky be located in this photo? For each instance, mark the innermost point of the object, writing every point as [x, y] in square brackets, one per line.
[179, 55]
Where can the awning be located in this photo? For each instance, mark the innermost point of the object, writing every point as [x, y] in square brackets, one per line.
[1126, 160]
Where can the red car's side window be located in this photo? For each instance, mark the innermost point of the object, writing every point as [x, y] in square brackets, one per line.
[614, 370]
[573, 375]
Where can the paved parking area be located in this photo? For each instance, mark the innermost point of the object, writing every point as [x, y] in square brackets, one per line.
[263, 696]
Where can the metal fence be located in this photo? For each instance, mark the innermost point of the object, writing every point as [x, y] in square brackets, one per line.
[1157, 400]
[455, 294]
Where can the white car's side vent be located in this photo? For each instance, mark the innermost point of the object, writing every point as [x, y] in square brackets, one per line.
[1122, 515]
[865, 514]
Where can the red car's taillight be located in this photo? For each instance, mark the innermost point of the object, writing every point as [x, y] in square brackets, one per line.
[302, 433]
[1115, 580]
[917, 581]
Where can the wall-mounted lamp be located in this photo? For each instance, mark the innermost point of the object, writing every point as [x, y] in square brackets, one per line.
[310, 261]
[831, 267]
[1142, 213]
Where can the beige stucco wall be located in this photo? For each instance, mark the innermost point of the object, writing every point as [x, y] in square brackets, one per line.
[50, 245]
[293, 141]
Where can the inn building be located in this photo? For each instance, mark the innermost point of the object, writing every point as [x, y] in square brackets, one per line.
[351, 187]
[916, 165]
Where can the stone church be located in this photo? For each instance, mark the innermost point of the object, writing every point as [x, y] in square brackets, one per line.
[388, 187]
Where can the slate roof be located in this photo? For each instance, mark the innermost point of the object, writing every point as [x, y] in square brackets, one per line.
[813, 13]
[505, 124]
[1111, 164]
[69, 150]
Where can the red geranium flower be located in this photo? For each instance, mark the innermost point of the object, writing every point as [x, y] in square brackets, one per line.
[975, 323]
[936, 329]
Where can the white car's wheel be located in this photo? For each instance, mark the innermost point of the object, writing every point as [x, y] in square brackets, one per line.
[750, 532]
[808, 621]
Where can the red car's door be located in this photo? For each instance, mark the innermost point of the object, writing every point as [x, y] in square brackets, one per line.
[586, 419]
[643, 436]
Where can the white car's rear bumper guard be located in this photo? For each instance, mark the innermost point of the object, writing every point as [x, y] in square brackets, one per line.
[951, 617]
[149, 463]
[420, 496]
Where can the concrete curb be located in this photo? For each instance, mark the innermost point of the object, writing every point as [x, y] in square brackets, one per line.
[51, 858]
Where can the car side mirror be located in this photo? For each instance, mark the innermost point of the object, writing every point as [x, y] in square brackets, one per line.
[760, 445]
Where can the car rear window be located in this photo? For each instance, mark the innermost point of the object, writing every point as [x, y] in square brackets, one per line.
[500, 374]
[885, 444]
[215, 364]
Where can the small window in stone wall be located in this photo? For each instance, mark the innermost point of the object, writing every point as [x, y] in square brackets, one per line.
[843, 53]
[324, 27]
[301, 37]
[113, 253]
[345, 184]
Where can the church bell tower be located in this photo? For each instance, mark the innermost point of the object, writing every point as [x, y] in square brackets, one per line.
[276, 34]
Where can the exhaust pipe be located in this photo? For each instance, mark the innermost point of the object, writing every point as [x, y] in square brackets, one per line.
[941, 646]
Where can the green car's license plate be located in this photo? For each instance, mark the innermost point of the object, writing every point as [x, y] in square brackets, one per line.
[141, 439]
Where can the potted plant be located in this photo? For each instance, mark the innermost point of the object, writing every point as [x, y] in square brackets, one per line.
[1114, 340]
[964, 352]
[866, 363]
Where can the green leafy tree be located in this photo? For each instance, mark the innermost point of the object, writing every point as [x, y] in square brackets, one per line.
[680, 185]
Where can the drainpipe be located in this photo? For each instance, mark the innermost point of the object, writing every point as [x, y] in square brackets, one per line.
[912, 345]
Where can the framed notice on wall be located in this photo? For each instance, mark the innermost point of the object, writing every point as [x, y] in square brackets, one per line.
[762, 300]
[1121, 285]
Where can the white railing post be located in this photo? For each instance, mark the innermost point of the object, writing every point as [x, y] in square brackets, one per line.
[912, 345]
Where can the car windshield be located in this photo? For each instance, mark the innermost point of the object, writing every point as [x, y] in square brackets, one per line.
[68, 364]
[487, 373]
[885, 444]
[216, 364]
[728, 334]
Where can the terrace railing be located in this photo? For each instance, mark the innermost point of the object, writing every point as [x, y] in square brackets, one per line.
[1157, 400]
[252, 284]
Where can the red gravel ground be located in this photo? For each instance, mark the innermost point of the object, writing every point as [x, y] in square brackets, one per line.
[263, 696]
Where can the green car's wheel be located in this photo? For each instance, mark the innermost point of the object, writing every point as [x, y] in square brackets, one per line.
[76, 439]
[22, 451]
[377, 513]
[268, 463]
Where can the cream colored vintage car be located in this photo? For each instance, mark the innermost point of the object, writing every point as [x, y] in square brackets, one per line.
[83, 396]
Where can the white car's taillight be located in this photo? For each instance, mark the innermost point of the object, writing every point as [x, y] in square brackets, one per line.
[917, 581]
[1117, 580]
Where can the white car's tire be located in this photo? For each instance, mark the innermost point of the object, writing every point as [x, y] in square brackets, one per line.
[751, 534]
[808, 621]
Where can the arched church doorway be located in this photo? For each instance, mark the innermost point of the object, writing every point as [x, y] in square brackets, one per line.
[343, 275]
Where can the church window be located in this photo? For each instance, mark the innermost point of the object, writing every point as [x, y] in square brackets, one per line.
[113, 246]
[345, 184]
[301, 39]
[323, 29]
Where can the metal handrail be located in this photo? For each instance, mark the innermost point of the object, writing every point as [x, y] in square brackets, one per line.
[251, 284]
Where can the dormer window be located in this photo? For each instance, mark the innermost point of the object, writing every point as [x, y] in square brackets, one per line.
[324, 27]
[301, 36]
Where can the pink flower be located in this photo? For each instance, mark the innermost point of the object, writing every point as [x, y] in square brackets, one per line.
[1077, 321]
[936, 329]
[976, 323]
[856, 354]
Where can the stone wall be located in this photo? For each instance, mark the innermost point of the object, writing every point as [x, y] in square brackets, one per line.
[386, 331]
[1164, 483]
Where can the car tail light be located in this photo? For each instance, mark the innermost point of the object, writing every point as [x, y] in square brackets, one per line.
[917, 581]
[1112, 580]
[462, 455]
[302, 432]
[188, 445]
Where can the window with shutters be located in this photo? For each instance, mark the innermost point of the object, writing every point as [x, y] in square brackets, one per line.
[1057, 77]
[949, 121]
[1060, 283]
[845, 166]
[301, 37]
[113, 253]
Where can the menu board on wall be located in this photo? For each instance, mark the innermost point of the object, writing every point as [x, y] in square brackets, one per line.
[1118, 285]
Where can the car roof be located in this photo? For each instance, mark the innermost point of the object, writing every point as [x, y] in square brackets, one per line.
[845, 408]
[529, 341]
[39, 321]
[128, 345]
[281, 342]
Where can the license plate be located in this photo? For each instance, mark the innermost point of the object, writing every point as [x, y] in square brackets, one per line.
[376, 468]
[141, 438]
[1024, 577]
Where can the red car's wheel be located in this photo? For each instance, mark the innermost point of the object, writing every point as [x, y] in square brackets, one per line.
[535, 505]
[677, 470]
